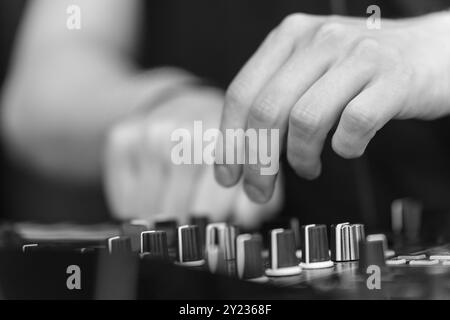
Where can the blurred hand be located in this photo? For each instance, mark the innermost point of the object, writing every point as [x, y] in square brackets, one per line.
[314, 72]
[141, 181]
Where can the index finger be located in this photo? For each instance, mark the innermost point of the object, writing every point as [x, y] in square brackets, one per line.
[270, 56]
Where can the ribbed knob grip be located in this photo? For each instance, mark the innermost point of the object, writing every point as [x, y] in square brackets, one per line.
[345, 238]
[249, 262]
[119, 245]
[154, 244]
[189, 246]
[170, 227]
[315, 249]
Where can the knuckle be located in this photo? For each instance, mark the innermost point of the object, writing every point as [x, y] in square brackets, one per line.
[367, 46]
[369, 51]
[237, 93]
[291, 21]
[264, 110]
[330, 32]
[305, 122]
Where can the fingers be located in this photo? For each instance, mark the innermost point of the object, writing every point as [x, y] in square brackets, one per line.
[319, 108]
[212, 198]
[249, 214]
[364, 116]
[122, 169]
[271, 111]
[242, 92]
[382, 100]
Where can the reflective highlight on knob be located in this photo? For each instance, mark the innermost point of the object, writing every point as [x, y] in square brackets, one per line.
[345, 238]
[190, 251]
[119, 245]
[315, 250]
[154, 245]
[133, 230]
[249, 261]
[220, 246]
[283, 261]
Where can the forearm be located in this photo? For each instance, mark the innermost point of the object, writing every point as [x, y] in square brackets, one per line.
[56, 112]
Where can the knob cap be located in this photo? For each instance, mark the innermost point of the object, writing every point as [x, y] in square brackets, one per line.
[283, 261]
[201, 222]
[371, 253]
[315, 251]
[249, 261]
[133, 230]
[388, 253]
[170, 227]
[154, 245]
[119, 245]
[220, 246]
[190, 251]
[406, 220]
[345, 238]
[291, 223]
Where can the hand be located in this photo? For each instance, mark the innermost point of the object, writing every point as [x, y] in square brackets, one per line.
[313, 72]
[141, 181]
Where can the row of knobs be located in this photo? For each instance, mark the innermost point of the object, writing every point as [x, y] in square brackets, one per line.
[218, 244]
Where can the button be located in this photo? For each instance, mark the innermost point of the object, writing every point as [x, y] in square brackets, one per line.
[423, 262]
[249, 262]
[119, 245]
[345, 240]
[395, 262]
[154, 244]
[413, 257]
[283, 261]
[315, 250]
[190, 251]
[220, 246]
[440, 257]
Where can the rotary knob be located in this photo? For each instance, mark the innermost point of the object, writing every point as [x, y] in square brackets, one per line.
[371, 253]
[170, 227]
[283, 261]
[220, 247]
[190, 252]
[315, 250]
[249, 261]
[154, 245]
[201, 222]
[119, 245]
[388, 253]
[345, 238]
[133, 230]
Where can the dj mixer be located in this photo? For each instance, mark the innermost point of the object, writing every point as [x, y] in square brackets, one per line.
[203, 260]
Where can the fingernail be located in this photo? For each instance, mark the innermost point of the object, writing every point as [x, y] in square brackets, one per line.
[255, 194]
[223, 175]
